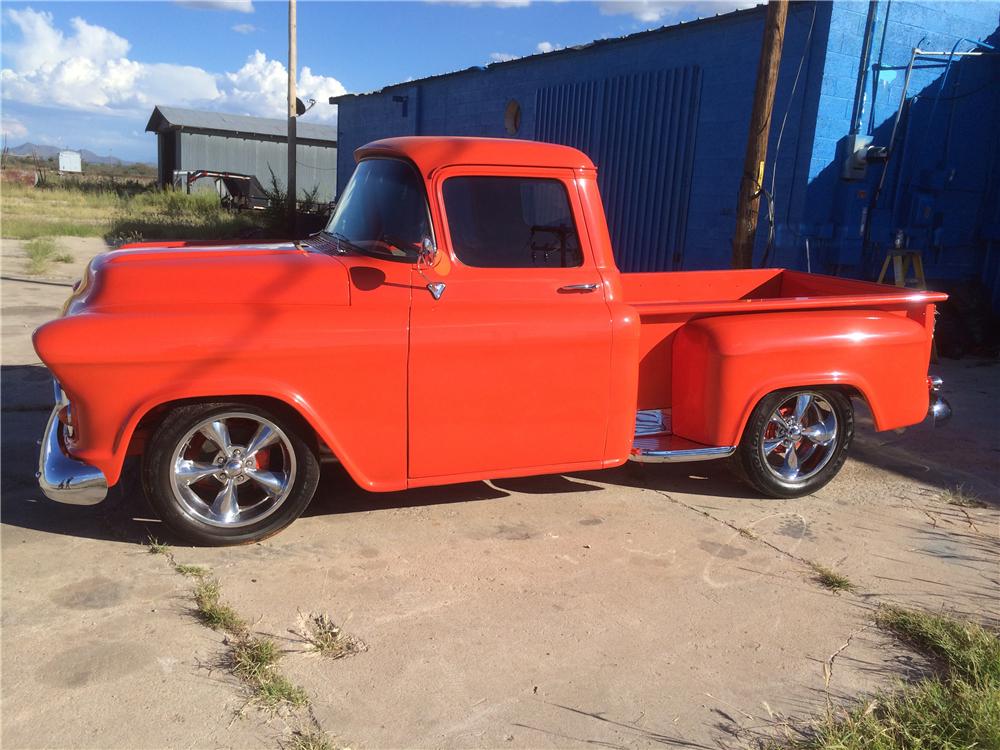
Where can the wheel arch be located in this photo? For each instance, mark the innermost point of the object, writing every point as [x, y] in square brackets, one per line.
[850, 389]
[723, 366]
[148, 415]
[153, 416]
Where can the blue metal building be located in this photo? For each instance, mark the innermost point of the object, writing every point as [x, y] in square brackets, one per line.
[664, 115]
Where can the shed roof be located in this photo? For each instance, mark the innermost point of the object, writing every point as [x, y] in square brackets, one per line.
[432, 152]
[166, 118]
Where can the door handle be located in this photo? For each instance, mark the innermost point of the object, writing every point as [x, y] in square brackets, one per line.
[570, 288]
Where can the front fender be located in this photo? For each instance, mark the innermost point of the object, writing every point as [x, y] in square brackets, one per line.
[724, 365]
[344, 372]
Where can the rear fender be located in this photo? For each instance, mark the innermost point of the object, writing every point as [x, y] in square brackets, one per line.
[723, 366]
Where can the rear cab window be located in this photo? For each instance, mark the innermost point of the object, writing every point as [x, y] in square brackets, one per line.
[511, 222]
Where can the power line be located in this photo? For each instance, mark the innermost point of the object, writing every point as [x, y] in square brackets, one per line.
[321, 169]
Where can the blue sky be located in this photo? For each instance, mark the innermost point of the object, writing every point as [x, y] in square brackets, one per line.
[86, 74]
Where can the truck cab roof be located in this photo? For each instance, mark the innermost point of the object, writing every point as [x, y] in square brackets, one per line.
[429, 153]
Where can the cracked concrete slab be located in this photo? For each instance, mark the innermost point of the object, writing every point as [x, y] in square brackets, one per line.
[645, 606]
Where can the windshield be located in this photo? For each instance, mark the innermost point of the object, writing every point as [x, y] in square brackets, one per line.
[383, 210]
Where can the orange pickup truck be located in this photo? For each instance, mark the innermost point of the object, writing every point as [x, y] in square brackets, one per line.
[460, 318]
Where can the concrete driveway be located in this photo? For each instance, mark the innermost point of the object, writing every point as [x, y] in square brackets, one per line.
[645, 606]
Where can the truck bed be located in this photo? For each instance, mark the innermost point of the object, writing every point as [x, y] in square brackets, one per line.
[758, 290]
[666, 302]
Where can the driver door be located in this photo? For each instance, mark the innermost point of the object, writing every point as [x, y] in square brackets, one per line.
[509, 371]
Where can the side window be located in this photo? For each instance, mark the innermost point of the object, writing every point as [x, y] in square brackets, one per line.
[511, 222]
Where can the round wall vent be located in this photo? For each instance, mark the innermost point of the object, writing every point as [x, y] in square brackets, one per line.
[512, 117]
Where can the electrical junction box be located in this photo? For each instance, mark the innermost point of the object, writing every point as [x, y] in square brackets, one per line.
[854, 156]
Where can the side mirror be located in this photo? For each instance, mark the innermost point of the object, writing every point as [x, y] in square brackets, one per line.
[428, 256]
[428, 252]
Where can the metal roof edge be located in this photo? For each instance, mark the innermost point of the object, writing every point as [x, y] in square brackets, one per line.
[564, 51]
[167, 118]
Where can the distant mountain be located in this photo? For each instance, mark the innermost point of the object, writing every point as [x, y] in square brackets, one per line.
[49, 152]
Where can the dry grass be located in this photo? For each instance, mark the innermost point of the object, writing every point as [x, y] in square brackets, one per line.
[191, 571]
[327, 638]
[29, 212]
[42, 251]
[308, 740]
[962, 498]
[830, 579]
[175, 215]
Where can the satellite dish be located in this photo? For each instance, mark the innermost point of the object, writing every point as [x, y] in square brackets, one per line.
[300, 108]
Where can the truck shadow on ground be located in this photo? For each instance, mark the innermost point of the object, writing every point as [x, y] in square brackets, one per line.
[126, 517]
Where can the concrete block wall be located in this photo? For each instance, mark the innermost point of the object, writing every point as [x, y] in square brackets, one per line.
[957, 148]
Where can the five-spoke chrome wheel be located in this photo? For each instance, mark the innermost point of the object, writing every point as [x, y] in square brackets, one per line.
[796, 440]
[233, 469]
[799, 437]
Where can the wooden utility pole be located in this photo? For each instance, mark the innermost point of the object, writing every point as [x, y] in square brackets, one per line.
[748, 203]
[292, 114]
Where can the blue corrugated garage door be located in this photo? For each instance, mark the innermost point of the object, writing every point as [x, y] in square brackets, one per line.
[639, 130]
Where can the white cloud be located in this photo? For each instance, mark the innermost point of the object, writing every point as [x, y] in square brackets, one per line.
[502, 57]
[651, 11]
[89, 70]
[13, 128]
[240, 6]
[43, 46]
[244, 28]
[260, 87]
[544, 47]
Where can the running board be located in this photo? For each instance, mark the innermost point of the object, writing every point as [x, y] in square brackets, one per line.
[654, 442]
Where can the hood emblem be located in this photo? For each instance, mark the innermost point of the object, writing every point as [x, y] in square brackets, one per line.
[436, 289]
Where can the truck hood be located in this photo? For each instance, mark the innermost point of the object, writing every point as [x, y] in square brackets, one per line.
[182, 275]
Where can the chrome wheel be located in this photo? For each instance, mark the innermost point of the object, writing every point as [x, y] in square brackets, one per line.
[233, 469]
[800, 437]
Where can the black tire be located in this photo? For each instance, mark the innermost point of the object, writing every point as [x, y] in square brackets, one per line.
[762, 473]
[181, 515]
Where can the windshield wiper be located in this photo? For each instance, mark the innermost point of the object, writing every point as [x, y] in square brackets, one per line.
[394, 242]
[341, 241]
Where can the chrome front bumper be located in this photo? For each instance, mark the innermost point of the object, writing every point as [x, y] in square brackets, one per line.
[940, 409]
[62, 478]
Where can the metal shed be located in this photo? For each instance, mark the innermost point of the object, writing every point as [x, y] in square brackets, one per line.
[190, 140]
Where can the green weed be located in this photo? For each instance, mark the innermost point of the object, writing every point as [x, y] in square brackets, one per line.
[254, 660]
[830, 579]
[213, 612]
[156, 547]
[958, 708]
[191, 571]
